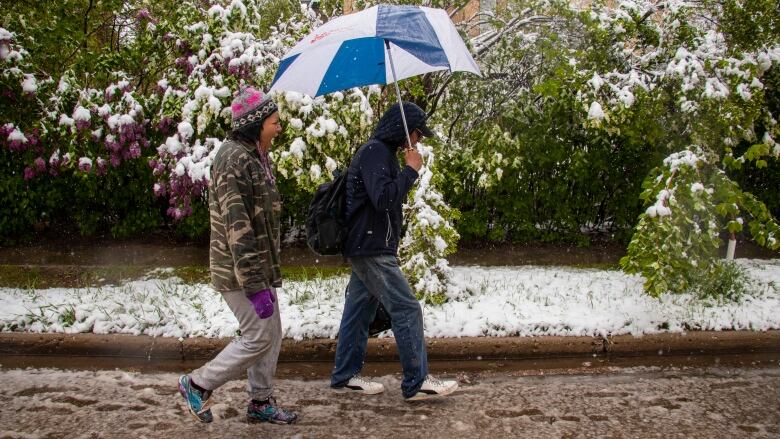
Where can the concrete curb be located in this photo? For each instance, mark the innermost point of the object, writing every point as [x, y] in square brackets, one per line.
[123, 346]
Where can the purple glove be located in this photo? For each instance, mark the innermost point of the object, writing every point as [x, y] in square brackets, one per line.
[263, 301]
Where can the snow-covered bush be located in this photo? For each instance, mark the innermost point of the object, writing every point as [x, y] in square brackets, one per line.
[595, 97]
[690, 201]
[219, 48]
[218, 54]
[321, 134]
[430, 237]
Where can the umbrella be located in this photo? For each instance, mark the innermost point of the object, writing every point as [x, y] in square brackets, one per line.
[379, 45]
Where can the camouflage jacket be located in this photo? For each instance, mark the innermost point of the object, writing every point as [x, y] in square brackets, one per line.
[244, 208]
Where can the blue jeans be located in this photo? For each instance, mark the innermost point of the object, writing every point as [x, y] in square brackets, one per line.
[379, 279]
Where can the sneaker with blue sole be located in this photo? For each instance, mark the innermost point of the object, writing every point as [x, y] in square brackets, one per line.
[198, 403]
[269, 412]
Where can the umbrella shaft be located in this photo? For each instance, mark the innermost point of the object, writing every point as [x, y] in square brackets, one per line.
[398, 93]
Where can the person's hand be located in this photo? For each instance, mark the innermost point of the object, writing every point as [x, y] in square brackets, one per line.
[263, 301]
[413, 158]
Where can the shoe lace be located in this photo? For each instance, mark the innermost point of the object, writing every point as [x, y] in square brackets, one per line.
[207, 402]
[362, 380]
[434, 381]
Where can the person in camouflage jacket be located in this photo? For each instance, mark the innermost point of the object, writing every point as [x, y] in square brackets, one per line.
[244, 208]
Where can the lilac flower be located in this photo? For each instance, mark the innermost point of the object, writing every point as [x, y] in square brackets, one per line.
[29, 173]
[102, 166]
[159, 190]
[135, 151]
[17, 141]
[144, 14]
[54, 163]
[40, 164]
[85, 164]
[164, 125]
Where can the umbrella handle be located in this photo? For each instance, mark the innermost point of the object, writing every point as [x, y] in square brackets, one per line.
[398, 93]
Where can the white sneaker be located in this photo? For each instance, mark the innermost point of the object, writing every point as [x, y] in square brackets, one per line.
[432, 388]
[364, 385]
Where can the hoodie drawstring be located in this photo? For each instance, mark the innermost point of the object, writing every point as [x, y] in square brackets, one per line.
[389, 233]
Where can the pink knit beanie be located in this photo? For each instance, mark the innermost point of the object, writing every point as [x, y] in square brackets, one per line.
[250, 106]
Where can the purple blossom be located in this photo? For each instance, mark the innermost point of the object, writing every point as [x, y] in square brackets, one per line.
[85, 166]
[135, 151]
[159, 190]
[143, 14]
[29, 173]
[165, 125]
[112, 145]
[40, 164]
[176, 213]
[102, 166]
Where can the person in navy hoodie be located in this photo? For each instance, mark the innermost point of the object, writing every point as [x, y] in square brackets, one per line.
[376, 189]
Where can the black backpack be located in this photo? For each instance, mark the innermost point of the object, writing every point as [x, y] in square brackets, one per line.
[326, 223]
[326, 231]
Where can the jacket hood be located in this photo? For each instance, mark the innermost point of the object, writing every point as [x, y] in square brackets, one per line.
[390, 129]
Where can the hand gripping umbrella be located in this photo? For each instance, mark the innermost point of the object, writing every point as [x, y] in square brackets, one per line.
[379, 45]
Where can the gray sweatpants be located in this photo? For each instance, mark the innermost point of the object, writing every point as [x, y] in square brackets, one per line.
[256, 350]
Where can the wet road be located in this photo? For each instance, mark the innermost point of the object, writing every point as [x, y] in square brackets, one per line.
[685, 402]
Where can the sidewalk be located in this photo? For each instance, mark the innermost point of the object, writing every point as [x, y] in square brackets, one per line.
[121, 346]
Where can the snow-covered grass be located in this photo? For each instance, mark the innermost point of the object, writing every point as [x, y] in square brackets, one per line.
[503, 301]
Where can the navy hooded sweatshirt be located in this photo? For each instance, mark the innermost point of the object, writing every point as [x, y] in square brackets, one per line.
[377, 187]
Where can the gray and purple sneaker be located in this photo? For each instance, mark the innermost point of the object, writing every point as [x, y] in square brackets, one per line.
[198, 402]
[269, 412]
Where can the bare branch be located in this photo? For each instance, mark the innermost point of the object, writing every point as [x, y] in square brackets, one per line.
[458, 7]
[482, 45]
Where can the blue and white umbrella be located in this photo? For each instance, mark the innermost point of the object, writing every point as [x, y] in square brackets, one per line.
[364, 48]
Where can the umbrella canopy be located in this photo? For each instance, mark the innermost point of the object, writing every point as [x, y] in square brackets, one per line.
[380, 45]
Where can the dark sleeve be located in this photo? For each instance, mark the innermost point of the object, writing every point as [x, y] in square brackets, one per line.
[384, 192]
